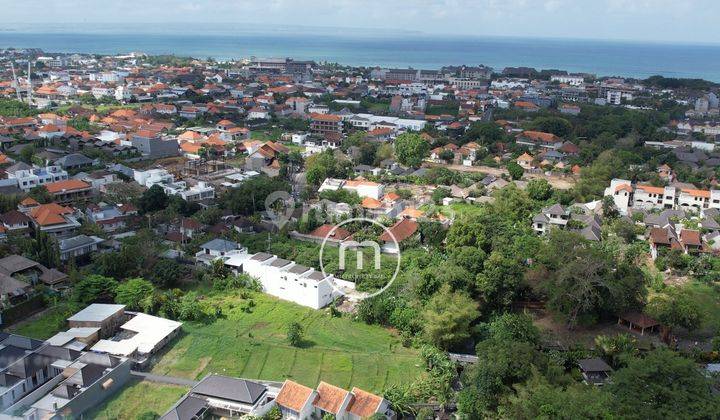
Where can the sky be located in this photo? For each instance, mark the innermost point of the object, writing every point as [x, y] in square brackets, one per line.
[683, 21]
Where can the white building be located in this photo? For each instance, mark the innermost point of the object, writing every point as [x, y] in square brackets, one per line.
[568, 79]
[627, 195]
[360, 187]
[287, 280]
[29, 177]
[200, 191]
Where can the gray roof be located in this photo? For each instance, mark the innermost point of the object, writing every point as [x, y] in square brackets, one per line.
[18, 167]
[555, 209]
[316, 275]
[233, 389]
[280, 262]
[14, 263]
[12, 286]
[218, 244]
[261, 256]
[74, 159]
[710, 223]
[593, 365]
[96, 312]
[541, 218]
[78, 241]
[187, 409]
[298, 269]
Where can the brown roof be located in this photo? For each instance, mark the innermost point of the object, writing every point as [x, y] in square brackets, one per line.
[329, 398]
[371, 203]
[189, 223]
[14, 217]
[326, 117]
[690, 237]
[293, 395]
[401, 230]
[49, 214]
[540, 136]
[29, 201]
[639, 319]
[66, 185]
[364, 404]
[660, 236]
[322, 232]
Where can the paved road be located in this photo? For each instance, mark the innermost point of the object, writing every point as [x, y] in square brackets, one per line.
[163, 379]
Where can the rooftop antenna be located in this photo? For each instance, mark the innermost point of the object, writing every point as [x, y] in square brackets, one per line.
[17, 85]
[29, 84]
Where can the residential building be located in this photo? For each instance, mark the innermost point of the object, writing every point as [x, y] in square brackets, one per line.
[54, 219]
[153, 146]
[78, 387]
[299, 402]
[217, 249]
[223, 397]
[69, 191]
[359, 186]
[322, 124]
[627, 195]
[287, 280]
[78, 246]
[29, 177]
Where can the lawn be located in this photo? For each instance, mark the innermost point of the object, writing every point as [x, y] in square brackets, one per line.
[254, 345]
[266, 135]
[459, 210]
[137, 398]
[45, 324]
[708, 299]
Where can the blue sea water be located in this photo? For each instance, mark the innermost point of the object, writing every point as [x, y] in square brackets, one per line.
[373, 48]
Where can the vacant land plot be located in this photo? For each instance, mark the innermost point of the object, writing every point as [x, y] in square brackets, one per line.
[44, 324]
[707, 297]
[254, 345]
[138, 398]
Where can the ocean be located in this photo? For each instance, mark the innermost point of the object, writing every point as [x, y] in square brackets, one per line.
[373, 48]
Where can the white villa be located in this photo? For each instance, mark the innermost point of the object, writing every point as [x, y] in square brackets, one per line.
[288, 280]
[361, 187]
[627, 195]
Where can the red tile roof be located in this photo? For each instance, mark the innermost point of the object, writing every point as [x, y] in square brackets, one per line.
[401, 230]
[330, 398]
[293, 395]
[322, 232]
[364, 404]
[66, 185]
[49, 214]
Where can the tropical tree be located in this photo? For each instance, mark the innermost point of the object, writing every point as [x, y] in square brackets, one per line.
[448, 316]
[675, 308]
[411, 149]
[133, 293]
[663, 385]
[516, 171]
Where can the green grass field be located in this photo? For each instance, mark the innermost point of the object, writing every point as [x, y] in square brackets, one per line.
[45, 324]
[708, 299]
[254, 345]
[138, 398]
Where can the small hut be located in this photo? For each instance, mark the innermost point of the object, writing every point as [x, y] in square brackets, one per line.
[638, 321]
